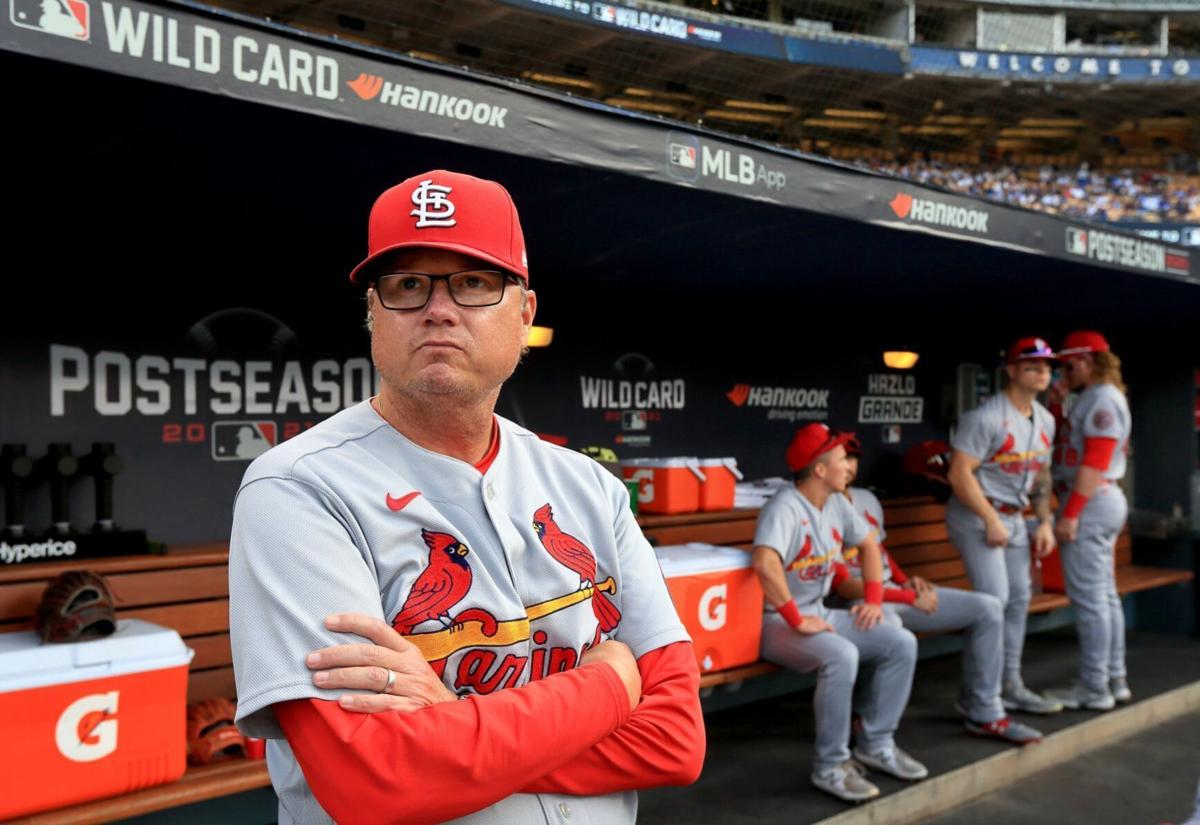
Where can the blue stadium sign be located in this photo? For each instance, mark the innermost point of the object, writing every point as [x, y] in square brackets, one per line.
[846, 53]
[1071, 67]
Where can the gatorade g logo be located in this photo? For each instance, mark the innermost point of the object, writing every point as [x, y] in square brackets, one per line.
[87, 729]
[713, 608]
[645, 480]
[433, 207]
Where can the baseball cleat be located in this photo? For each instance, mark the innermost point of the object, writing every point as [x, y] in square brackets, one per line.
[1120, 690]
[846, 782]
[894, 762]
[1020, 698]
[1080, 697]
[1006, 730]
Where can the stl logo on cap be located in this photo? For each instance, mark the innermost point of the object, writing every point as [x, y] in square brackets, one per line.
[433, 207]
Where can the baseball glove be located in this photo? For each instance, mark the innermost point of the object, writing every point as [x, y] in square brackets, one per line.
[76, 607]
[211, 733]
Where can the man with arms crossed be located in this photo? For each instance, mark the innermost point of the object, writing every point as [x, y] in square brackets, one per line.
[1001, 461]
[526, 664]
[797, 546]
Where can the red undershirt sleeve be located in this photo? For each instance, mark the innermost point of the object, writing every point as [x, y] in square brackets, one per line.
[840, 574]
[900, 595]
[898, 575]
[1098, 452]
[453, 758]
[662, 743]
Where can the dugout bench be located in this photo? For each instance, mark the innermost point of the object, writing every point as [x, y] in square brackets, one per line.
[187, 589]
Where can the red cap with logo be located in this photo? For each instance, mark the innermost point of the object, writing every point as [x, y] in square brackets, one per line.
[447, 210]
[854, 446]
[1083, 341]
[811, 442]
[1029, 349]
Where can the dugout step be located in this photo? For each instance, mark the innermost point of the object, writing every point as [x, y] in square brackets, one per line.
[760, 754]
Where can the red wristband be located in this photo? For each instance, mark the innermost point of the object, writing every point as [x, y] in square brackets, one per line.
[873, 592]
[1075, 505]
[790, 613]
[899, 594]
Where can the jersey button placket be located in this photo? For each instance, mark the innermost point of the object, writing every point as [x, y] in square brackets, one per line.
[564, 811]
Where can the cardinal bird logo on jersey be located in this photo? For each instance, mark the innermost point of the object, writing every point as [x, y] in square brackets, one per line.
[440, 586]
[573, 554]
[1006, 447]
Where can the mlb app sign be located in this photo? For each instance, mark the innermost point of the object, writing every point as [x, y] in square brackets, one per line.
[65, 18]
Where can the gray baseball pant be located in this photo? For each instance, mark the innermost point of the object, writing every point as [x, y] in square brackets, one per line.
[1092, 587]
[891, 650]
[1002, 572]
[981, 617]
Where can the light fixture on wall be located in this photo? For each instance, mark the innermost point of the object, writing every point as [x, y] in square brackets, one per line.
[900, 359]
[540, 336]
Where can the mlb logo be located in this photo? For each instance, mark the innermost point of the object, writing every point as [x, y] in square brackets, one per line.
[683, 155]
[66, 18]
[633, 420]
[1077, 241]
[605, 14]
[242, 440]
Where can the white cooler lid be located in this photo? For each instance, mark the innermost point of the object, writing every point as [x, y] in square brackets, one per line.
[135, 647]
[697, 557]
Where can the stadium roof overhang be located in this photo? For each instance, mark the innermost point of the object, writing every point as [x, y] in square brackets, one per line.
[609, 199]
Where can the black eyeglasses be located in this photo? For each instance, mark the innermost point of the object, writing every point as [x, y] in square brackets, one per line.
[469, 288]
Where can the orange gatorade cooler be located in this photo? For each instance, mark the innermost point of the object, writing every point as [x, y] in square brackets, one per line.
[665, 485]
[721, 476]
[719, 600]
[86, 720]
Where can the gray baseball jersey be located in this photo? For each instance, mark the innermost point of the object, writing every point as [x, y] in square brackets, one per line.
[808, 540]
[867, 505]
[352, 516]
[1100, 411]
[1011, 448]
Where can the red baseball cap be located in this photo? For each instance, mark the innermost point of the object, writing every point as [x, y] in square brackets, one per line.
[1083, 341]
[853, 446]
[1026, 349]
[447, 210]
[812, 441]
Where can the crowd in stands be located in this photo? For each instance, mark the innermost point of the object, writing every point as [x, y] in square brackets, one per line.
[1120, 194]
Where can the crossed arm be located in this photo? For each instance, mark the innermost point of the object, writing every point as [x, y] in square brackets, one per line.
[421, 754]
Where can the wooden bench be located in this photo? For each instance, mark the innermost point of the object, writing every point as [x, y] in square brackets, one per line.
[916, 539]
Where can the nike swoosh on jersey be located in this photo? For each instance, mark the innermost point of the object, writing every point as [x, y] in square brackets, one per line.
[397, 504]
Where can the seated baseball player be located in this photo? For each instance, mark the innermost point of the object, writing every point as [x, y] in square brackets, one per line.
[922, 607]
[434, 614]
[797, 546]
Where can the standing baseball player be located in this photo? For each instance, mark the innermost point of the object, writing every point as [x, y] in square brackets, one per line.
[912, 602]
[1089, 461]
[1001, 461]
[797, 547]
[518, 628]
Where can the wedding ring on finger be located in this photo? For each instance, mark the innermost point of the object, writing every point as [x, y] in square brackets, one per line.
[391, 680]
